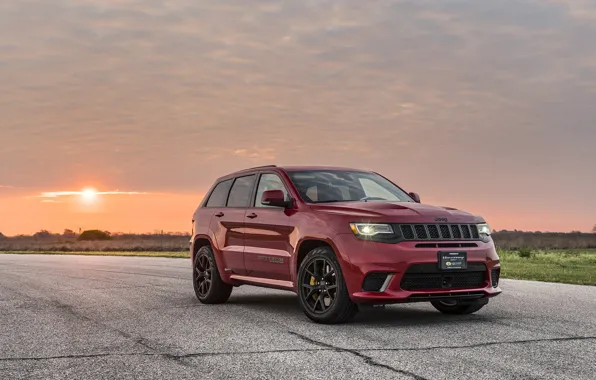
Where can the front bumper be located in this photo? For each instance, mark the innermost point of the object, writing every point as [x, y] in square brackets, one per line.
[404, 272]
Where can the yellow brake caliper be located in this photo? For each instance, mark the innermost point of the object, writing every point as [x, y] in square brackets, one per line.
[313, 282]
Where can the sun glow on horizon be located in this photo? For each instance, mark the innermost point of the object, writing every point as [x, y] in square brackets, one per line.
[89, 195]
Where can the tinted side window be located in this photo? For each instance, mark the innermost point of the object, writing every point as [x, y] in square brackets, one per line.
[219, 194]
[241, 191]
[269, 182]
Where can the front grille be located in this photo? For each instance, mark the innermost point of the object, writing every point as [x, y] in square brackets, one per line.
[439, 231]
[429, 277]
[374, 281]
[494, 276]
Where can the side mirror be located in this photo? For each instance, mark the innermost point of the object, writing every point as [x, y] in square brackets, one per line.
[415, 197]
[274, 198]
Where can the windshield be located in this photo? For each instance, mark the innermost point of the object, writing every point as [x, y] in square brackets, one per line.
[320, 186]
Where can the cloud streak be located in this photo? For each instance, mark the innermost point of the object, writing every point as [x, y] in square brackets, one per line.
[57, 194]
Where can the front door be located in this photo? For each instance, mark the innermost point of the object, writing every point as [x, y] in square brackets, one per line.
[267, 232]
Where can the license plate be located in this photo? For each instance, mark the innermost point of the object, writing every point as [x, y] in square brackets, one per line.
[449, 260]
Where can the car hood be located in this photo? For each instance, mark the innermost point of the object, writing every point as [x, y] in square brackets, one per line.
[397, 212]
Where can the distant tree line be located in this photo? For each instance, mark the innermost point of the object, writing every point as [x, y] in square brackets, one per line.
[178, 241]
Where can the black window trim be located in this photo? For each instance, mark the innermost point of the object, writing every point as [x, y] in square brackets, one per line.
[253, 203]
[252, 192]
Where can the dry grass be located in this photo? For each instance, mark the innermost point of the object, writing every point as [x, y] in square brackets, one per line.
[182, 255]
[126, 243]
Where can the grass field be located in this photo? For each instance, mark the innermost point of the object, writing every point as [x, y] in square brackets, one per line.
[565, 266]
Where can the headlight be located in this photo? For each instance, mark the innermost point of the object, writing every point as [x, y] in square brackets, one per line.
[484, 229]
[371, 229]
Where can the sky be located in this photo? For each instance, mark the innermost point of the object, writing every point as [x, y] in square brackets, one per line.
[487, 106]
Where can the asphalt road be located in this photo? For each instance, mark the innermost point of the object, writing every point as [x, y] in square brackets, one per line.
[128, 317]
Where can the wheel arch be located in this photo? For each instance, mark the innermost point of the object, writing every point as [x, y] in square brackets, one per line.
[307, 244]
[199, 242]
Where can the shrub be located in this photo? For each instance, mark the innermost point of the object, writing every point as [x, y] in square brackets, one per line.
[43, 234]
[93, 235]
[525, 252]
[69, 233]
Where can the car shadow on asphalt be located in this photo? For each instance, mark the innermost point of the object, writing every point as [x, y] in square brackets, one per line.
[397, 315]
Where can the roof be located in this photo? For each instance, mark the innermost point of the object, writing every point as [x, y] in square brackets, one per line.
[319, 167]
[290, 169]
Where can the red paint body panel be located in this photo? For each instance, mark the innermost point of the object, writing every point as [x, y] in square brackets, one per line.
[267, 243]
[228, 232]
[263, 249]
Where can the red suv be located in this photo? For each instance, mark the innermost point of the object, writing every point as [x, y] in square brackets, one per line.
[339, 238]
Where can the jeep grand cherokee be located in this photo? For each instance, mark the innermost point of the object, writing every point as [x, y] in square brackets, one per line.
[340, 239]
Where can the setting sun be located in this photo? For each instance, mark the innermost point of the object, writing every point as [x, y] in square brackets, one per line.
[89, 195]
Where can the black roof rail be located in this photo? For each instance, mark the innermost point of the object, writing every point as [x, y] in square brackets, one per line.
[258, 167]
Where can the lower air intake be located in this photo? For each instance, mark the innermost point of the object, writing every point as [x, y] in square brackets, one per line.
[373, 282]
[494, 276]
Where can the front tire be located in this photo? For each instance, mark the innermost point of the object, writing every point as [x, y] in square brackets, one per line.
[322, 290]
[454, 307]
[208, 285]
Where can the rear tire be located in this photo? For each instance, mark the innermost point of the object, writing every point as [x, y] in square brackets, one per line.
[322, 290]
[454, 307]
[208, 285]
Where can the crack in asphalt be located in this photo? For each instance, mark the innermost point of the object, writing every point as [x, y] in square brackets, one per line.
[158, 349]
[484, 344]
[367, 359]
[324, 347]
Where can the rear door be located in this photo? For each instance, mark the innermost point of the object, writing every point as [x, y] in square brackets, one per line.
[267, 233]
[227, 223]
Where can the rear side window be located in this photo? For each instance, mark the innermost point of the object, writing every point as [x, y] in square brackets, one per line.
[241, 191]
[219, 194]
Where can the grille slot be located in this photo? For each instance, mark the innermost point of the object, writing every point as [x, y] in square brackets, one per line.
[420, 232]
[466, 231]
[456, 231]
[475, 234]
[439, 231]
[433, 231]
[408, 232]
[445, 232]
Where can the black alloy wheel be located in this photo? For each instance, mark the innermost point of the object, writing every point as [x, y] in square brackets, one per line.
[208, 285]
[203, 275]
[322, 291]
[319, 285]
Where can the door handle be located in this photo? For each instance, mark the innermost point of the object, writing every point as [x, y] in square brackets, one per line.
[252, 216]
[219, 214]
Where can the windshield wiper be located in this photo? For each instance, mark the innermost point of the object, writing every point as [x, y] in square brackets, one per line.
[331, 201]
